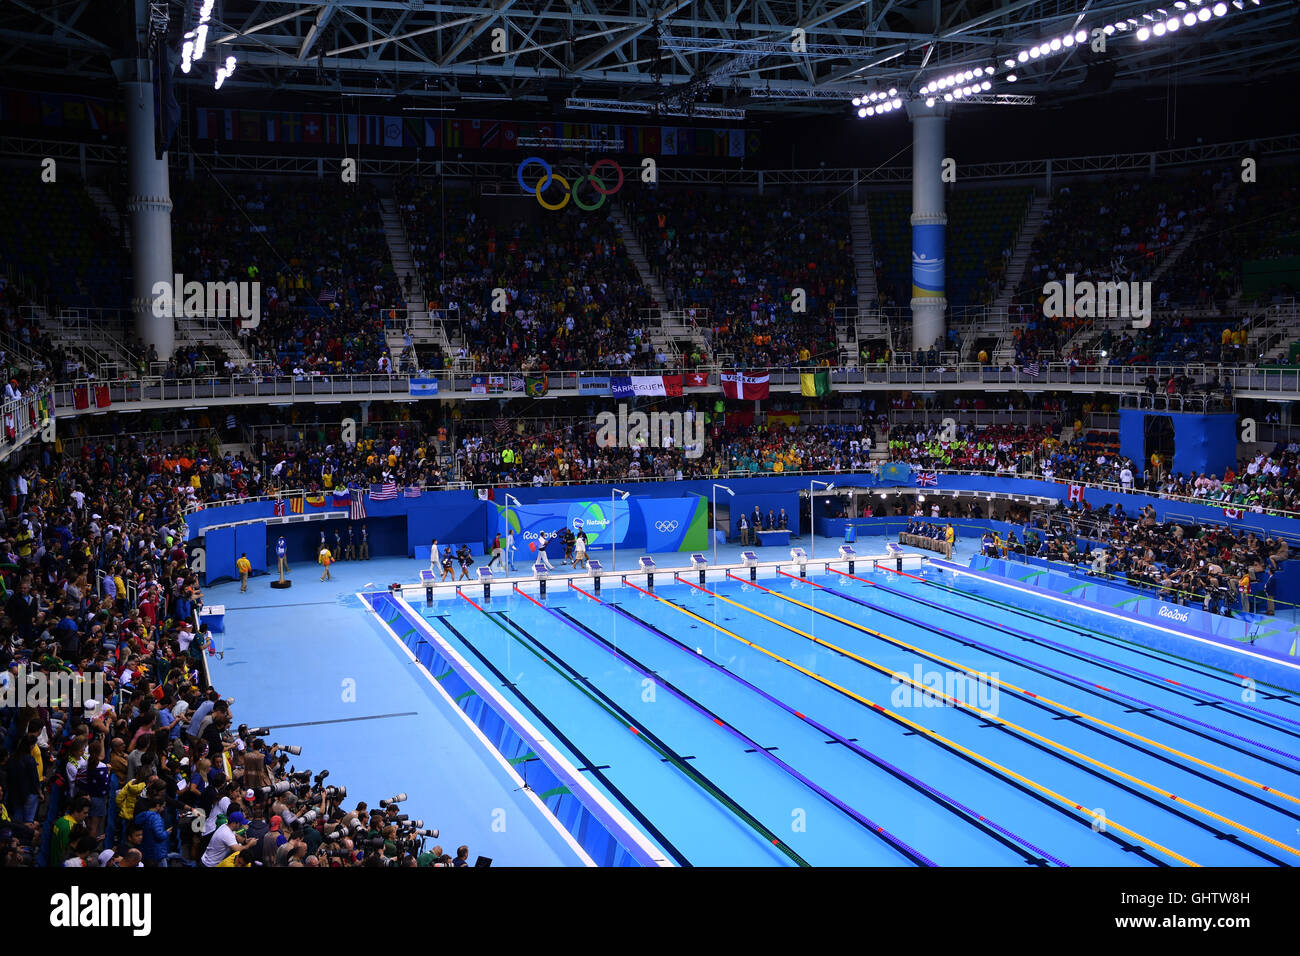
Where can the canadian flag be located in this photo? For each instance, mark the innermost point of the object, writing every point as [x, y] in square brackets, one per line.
[1075, 493]
[1232, 513]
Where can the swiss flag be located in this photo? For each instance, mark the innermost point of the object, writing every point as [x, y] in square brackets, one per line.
[312, 128]
[1075, 493]
[697, 379]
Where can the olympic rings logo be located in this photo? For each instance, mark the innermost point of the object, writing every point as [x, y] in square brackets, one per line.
[666, 527]
[571, 190]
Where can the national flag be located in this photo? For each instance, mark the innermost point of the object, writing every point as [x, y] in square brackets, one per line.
[478, 385]
[392, 131]
[412, 491]
[250, 126]
[102, 397]
[453, 135]
[1075, 493]
[927, 479]
[279, 507]
[491, 134]
[1031, 369]
[333, 129]
[697, 379]
[291, 127]
[273, 130]
[295, 504]
[80, 397]
[673, 386]
[315, 501]
[423, 386]
[327, 296]
[739, 385]
[516, 383]
[668, 140]
[74, 111]
[473, 130]
[385, 492]
[432, 132]
[509, 135]
[312, 128]
[341, 496]
[814, 383]
[502, 425]
[358, 509]
[1232, 513]
[536, 386]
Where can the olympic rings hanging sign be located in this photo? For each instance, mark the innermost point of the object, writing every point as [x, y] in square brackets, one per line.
[571, 190]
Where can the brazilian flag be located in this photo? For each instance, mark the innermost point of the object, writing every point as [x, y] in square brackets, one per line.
[814, 383]
[535, 386]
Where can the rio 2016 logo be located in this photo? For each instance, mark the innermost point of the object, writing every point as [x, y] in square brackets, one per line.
[571, 190]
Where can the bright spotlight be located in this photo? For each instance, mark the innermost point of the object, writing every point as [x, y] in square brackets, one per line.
[1203, 14]
[986, 85]
[893, 92]
[979, 71]
[1022, 56]
[898, 104]
[862, 113]
[1142, 34]
[1109, 29]
[1189, 19]
[1067, 40]
[1009, 62]
[947, 97]
[857, 101]
[1034, 53]
[1158, 30]
[1011, 78]
[1172, 24]
[1220, 9]
[929, 101]
[1055, 44]
[1081, 36]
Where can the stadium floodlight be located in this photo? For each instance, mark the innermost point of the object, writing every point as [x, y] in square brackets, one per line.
[1203, 14]
[871, 110]
[1055, 44]
[1067, 40]
[1142, 34]
[1158, 30]
[929, 101]
[1081, 36]
[947, 97]
[1034, 53]
[898, 104]
[1011, 78]
[1173, 24]
[1009, 62]
[862, 112]
[1022, 56]
[892, 91]
[986, 86]
[857, 101]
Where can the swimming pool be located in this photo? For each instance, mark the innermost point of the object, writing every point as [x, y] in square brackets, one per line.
[886, 719]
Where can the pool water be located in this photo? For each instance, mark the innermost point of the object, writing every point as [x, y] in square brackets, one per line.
[891, 720]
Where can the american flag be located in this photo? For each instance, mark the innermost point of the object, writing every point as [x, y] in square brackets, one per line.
[502, 425]
[357, 509]
[412, 491]
[385, 492]
[1031, 369]
[927, 478]
[327, 296]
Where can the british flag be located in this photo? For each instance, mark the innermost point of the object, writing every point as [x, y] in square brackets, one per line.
[927, 478]
[385, 492]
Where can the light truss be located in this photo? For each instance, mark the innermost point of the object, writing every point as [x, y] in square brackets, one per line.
[701, 111]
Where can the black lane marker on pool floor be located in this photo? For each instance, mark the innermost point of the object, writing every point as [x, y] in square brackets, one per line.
[343, 720]
[590, 765]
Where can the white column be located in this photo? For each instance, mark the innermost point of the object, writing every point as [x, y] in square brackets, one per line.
[929, 222]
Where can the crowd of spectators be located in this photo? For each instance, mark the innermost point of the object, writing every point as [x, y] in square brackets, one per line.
[739, 259]
[573, 299]
[153, 771]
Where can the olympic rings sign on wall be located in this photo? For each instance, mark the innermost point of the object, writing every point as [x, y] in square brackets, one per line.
[571, 191]
[666, 527]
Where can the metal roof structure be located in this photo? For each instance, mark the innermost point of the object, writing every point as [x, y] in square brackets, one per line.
[674, 55]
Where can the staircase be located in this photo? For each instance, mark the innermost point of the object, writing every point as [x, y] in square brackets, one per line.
[864, 257]
[636, 254]
[121, 226]
[426, 328]
[1192, 234]
[1018, 264]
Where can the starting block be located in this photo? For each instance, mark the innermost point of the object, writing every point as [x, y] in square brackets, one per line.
[751, 561]
[427, 579]
[648, 566]
[699, 562]
[800, 557]
[595, 567]
[485, 577]
[849, 555]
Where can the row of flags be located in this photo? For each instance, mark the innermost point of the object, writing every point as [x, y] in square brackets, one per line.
[534, 386]
[351, 498]
[396, 132]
